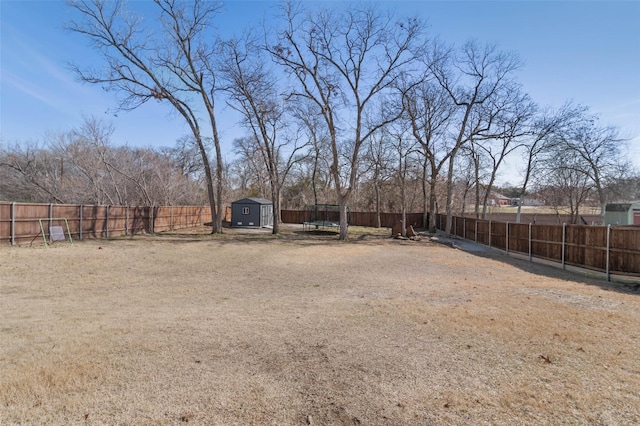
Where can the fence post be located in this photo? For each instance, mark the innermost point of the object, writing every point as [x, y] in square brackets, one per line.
[106, 224]
[171, 217]
[608, 251]
[13, 224]
[50, 218]
[530, 242]
[475, 230]
[126, 220]
[489, 233]
[464, 228]
[81, 225]
[506, 242]
[564, 227]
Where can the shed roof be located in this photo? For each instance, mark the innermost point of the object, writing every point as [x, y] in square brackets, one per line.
[622, 207]
[253, 200]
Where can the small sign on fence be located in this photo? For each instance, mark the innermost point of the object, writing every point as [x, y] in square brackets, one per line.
[56, 233]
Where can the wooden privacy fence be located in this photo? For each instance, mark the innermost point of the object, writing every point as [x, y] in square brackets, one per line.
[603, 248]
[387, 220]
[19, 222]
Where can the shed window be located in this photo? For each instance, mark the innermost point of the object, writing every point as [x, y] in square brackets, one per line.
[245, 210]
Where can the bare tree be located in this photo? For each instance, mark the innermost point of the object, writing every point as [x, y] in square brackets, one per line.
[67, 167]
[545, 133]
[625, 187]
[378, 158]
[430, 112]
[250, 168]
[186, 156]
[310, 125]
[343, 63]
[252, 89]
[88, 148]
[32, 173]
[505, 135]
[176, 66]
[472, 174]
[474, 79]
[598, 151]
[566, 183]
[405, 150]
[82, 166]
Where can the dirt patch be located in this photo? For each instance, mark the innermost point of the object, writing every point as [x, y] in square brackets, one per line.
[247, 328]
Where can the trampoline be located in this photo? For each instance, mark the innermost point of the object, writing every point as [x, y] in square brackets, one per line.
[321, 216]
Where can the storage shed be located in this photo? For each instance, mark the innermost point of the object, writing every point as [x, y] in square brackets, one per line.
[257, 212]
[622, 214]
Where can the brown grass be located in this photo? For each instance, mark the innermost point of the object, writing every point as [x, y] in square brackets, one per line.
[252, 329]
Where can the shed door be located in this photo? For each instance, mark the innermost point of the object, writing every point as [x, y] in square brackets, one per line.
[636, 217]
[266, 215]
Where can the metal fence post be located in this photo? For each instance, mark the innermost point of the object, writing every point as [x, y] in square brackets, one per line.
[608, 251]
[564, 227]
[50, 217]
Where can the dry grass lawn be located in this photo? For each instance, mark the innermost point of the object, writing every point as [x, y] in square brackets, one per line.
[247, 329]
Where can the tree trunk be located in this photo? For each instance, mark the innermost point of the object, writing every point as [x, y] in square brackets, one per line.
[449, 205]
[477, 191]
[432, 205]
[518, 212]
[209, 181]
[404, 210]
[344, 215]
[275, 196]
[425, 201]
[378, 221]
[217, 228]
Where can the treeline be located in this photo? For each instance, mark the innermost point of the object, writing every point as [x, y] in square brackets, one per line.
[83, 166]
[352, 106]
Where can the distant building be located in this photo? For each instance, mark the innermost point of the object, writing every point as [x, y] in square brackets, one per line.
[533, 202]
[622, 214]
[496, 199]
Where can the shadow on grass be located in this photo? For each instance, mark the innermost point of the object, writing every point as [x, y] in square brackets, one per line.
[550, 269]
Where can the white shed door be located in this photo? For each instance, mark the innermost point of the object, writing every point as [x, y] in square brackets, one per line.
[266, 213]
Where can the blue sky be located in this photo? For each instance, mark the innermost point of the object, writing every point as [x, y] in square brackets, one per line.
[586, 51]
